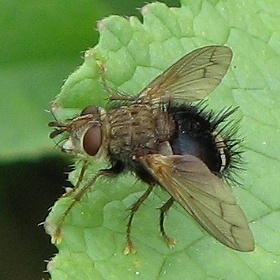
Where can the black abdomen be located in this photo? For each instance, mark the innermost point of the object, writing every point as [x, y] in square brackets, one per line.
[194, 134]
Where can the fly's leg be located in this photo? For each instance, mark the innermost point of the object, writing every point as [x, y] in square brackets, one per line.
[130, 248]
[121, 96]
[163, 209]
[82, 173]
[56, 236]
[112, 172]
[114, 95]
[80, 179]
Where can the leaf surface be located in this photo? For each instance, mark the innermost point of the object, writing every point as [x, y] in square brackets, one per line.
[134, 53]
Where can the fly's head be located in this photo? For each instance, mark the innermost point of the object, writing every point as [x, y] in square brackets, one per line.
[83, 133]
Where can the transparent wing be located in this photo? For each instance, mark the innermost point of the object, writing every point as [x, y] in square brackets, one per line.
[207, 198]
[192, 77]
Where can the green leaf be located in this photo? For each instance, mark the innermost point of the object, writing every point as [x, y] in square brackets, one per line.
[133, 53]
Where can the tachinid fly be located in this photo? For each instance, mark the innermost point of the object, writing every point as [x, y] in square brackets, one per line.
[166, 141]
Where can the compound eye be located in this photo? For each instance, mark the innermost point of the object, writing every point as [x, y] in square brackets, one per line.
[92, 140]
[90, 110]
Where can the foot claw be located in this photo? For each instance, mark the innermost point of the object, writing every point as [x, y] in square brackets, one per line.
[56, 237]
[171, 242]
[130, 248]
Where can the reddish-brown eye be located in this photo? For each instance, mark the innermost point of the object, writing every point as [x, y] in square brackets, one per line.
[90, 110]
[92, 140]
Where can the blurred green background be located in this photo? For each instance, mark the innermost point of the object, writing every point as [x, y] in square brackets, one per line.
[42, 42]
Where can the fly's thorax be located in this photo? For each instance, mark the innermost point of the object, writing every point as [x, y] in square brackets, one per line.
[86, 133]
[138, 128]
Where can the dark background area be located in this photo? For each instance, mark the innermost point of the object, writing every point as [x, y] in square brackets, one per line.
[29, 188]
[32, 176]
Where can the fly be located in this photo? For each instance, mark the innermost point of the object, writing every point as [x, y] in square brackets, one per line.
[168, 142]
